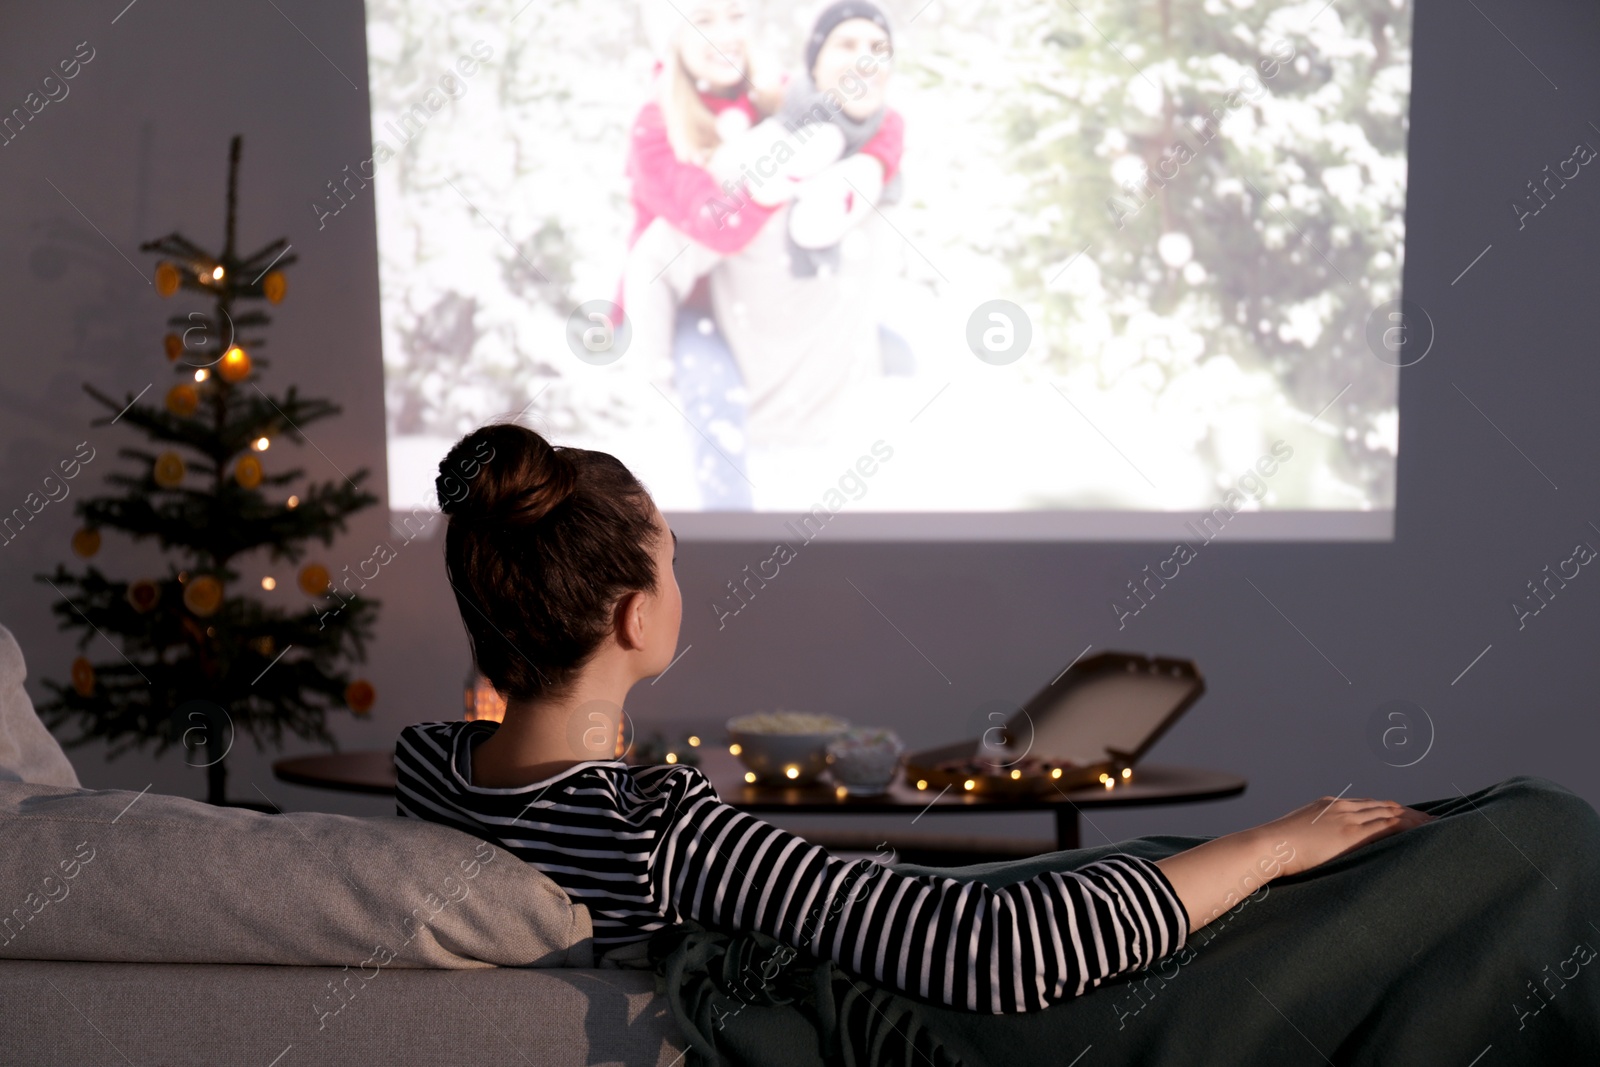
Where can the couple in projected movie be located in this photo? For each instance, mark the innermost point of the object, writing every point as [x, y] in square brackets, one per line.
[758, 243]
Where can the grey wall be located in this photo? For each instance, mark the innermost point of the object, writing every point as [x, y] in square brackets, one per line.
[138, 148]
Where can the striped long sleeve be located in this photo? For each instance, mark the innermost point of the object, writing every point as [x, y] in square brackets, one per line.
[646, 847]
[963, 944]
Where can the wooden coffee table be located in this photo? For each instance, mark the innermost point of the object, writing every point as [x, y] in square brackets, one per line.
[1152, 783]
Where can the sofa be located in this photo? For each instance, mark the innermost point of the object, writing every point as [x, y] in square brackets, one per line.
[142, 928]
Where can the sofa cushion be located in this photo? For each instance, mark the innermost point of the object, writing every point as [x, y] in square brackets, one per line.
[118, 876]
[27, 751]
[178, 1015]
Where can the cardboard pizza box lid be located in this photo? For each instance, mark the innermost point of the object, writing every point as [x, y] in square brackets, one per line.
[1109, 708]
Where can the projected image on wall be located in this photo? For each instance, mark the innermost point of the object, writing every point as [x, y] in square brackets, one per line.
[998, 268]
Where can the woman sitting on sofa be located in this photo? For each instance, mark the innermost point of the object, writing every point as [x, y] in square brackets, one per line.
[563, 572]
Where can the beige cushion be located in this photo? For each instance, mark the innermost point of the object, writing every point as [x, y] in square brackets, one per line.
[27, 751]
[203, 1015]
[119, 876]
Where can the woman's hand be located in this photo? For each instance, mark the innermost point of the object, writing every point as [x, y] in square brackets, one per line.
[1214, 876]
[776, 161]
[1329, 827]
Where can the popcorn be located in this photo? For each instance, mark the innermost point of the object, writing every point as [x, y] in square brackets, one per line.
[786, 722]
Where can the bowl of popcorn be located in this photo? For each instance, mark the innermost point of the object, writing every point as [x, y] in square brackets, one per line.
[783, 747]
[863, 761]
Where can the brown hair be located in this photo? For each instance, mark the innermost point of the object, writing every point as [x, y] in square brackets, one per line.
[542, 543]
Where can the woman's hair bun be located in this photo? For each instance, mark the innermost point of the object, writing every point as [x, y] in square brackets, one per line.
[503, 474]
[541, 545]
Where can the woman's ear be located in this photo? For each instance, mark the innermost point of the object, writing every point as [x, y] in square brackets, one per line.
[628, 621]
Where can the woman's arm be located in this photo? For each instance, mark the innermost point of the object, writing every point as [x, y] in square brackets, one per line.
[1011, 949]
[686, 195]
[1211, 878]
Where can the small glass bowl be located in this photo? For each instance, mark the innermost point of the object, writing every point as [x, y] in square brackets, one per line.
[864, 761]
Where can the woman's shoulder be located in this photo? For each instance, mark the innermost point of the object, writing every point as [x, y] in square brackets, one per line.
[663, 776]
[674, 784]
[433, 731]
[649, 117]
[650, 797]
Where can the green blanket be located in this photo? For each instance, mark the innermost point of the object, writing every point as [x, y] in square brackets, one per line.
[1470, 940]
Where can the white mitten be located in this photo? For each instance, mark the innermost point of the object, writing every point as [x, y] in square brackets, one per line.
[753, 155]
[775, 160]
[828, 205]
[820, 217]
[864, 176]
[732, 124]
[816, 147]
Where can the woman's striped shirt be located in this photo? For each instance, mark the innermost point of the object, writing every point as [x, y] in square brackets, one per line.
[646, 847]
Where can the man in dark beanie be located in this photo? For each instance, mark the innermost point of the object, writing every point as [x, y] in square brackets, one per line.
[843, 11]
[848, 59]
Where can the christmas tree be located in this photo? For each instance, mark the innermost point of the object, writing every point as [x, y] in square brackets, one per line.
[197, 659]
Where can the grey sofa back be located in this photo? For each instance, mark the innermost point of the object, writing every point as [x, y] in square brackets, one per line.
[118, 876]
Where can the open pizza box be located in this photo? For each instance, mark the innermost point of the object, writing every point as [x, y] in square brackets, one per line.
[1091, 724]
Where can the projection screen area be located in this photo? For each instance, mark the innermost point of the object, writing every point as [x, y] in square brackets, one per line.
[990, 270]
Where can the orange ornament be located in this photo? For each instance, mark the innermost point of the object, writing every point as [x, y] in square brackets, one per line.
[235, 365]
[183, 399]
[166, 278]
[168, 471]
[247, 472]
[174, 345]
[143, 594]
[202, 595]
[83, 677]
[360, 696]
[275, 286]
[86, 542]
[314, 579]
